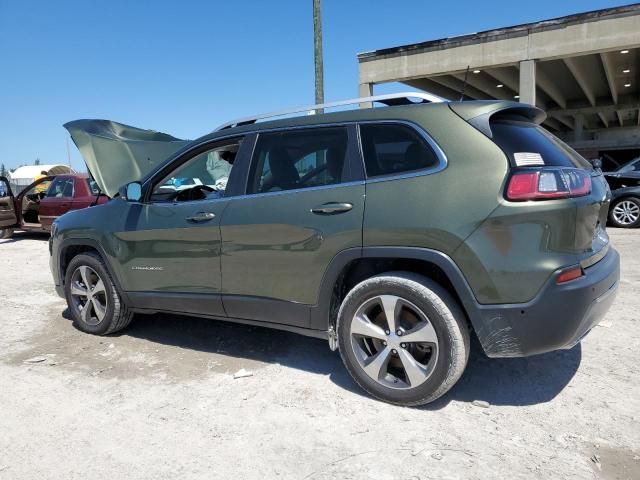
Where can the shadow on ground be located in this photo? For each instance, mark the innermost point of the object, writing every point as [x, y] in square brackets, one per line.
[17, 236]
[514, 381]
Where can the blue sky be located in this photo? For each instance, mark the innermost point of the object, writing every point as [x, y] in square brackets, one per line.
[183, 67]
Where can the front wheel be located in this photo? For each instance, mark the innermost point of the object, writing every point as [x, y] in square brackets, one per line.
[625, 212]
[6, 233]
[403, 338]
[94, 302]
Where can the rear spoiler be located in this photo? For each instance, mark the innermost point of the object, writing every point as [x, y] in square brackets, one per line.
[480, 113]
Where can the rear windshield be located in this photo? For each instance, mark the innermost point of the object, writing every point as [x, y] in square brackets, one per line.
[528, 144]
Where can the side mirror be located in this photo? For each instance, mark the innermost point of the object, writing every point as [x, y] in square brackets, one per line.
[132, 192]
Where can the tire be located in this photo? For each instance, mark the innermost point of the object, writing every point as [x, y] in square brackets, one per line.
[432, 324]
[625, 212]
[6, 233]
[106, 313]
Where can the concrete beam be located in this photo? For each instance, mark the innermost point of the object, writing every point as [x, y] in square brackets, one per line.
[554, 123]
[506, 75]
[487, 85]
[566, 121]
[580, 78]
[598, 108]
[451, 56]
[603, 119]
[527, 87]
[608, 71]
[457, 85]
[433, 87]
[620, 119]
[549, 87]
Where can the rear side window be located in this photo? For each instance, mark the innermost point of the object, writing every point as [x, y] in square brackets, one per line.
[298, 159]
[528, 144]
[61, 188]
[390, 149]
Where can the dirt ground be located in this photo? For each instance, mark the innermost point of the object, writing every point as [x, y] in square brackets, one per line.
[160, 399]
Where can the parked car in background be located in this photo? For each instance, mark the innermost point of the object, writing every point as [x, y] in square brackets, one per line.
[38, 205]
[476, 221]
[625, 188]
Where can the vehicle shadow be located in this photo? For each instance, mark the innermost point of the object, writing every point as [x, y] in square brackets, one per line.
[17, 236]
[507, 381]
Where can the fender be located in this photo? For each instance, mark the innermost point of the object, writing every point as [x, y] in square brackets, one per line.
[320, 313]
[89, 242]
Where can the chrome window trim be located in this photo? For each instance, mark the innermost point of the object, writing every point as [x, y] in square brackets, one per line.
[302, 189]
[297, 190]
[443, 161]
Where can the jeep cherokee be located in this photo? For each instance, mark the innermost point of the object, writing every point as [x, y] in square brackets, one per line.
[395, 233]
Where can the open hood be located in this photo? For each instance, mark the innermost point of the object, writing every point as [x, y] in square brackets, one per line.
[117, 154]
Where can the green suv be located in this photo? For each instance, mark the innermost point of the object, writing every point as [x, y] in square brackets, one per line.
[396, 233]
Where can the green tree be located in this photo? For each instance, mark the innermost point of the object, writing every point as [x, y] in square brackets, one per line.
[3, 170]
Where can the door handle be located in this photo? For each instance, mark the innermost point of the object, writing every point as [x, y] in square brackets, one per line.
[201, 217]
[332, 208]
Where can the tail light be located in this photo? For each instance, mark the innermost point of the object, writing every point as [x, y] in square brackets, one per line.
[548, 183]
[569, 274]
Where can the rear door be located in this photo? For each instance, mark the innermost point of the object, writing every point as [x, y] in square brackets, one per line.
[8, 216]
[57, 200]
[304, 204]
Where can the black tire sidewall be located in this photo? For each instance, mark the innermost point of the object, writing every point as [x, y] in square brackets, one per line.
[97, 265]
[612, 219]
[414, 396]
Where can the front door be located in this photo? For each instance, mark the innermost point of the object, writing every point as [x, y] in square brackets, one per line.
[8, 216]
[172, 241]
[304, 204]
[57, 201]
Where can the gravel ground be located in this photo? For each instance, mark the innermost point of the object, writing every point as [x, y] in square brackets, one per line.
[160, 399]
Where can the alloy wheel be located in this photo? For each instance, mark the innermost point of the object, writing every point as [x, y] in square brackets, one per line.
[89, 295]
[626, 212]
[394, 342]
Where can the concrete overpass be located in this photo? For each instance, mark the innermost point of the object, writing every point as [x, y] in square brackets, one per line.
[583, 69]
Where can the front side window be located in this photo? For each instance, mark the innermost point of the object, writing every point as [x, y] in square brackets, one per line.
[391, 149]
[298, 159]
[60, 188]
[202, 177]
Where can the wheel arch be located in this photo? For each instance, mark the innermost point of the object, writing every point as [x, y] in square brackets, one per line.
[71, 247]
[352, 266]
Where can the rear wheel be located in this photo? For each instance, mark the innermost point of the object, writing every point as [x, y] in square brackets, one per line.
[625, 212]
[93, 300]
[6, 233]
[403, 338]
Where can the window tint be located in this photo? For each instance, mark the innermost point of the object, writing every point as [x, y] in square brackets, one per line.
[526, 137]
[93, 186]
[298, 159]
[390, 149]
[61, 188]
[202, 177]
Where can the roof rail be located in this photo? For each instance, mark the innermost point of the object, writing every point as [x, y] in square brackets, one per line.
[389, 99]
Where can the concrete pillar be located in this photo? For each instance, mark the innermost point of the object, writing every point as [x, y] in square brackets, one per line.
[528, 82]
[578, 127]
[365, 90]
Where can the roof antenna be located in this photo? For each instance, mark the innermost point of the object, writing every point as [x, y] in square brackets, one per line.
[464, 85]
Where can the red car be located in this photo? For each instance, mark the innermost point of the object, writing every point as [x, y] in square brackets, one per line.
[38, 205]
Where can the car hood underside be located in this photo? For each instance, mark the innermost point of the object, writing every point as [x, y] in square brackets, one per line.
[117, 154]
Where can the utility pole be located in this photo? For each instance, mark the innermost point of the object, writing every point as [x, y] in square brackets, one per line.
[317, 51]
[68, 153]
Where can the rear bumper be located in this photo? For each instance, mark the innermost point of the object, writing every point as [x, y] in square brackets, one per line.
[557, 318]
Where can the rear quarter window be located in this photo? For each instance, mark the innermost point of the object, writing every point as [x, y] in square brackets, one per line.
[391, 149]
[517, 138]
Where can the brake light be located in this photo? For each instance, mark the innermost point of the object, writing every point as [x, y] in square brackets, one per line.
[548, 183]
[570, 274]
